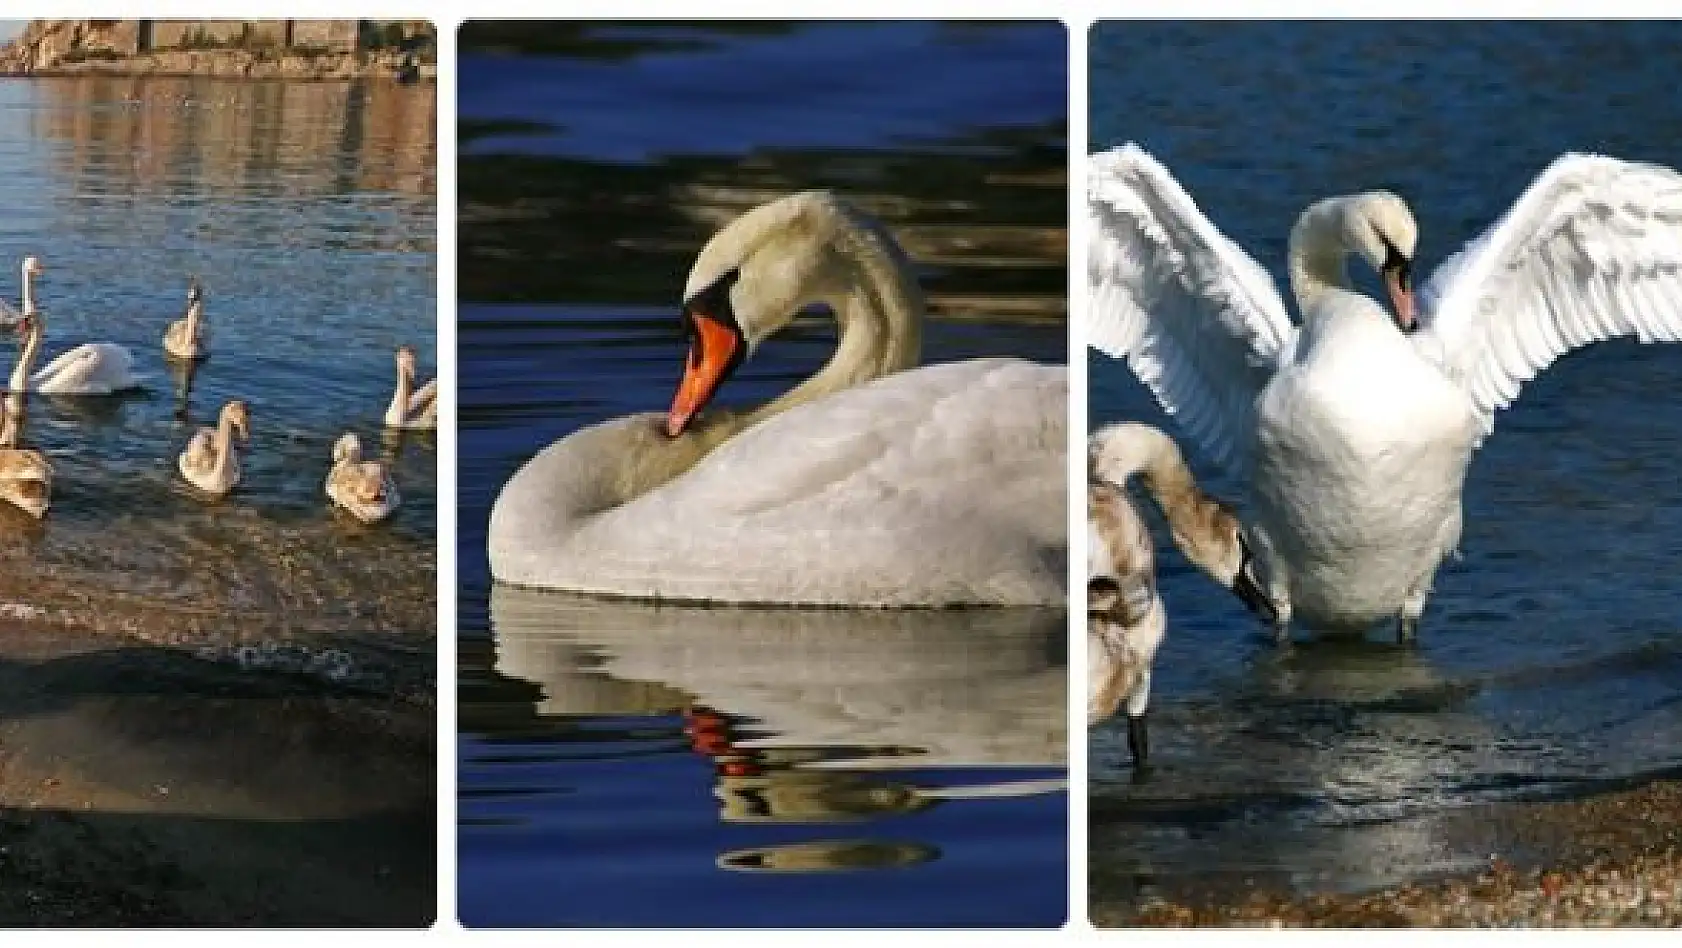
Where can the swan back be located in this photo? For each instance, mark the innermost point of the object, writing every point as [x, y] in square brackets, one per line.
[26, 478]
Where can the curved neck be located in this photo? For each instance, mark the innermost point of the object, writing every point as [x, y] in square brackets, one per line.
[224, 442]
[26, 358]
[1122, 451]
[878, 318]
[1316, 252]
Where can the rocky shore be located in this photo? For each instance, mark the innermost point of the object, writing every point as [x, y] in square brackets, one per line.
[1615, 861]
[110, 47]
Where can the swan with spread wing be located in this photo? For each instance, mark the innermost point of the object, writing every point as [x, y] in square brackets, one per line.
[1353, 429]
[872, 483]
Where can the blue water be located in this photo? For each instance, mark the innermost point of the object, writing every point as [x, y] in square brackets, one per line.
[625, 765]
[1550, 661]
[307, 211]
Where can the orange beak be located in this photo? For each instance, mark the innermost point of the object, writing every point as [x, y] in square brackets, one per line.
[1401, 297]
[715, 350]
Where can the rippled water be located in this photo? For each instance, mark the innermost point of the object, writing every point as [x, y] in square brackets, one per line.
[307, 211]
[1550, 660]
[631, 765]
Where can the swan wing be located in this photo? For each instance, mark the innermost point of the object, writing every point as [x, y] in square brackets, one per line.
[200, 453]
[1592, 250]
[425, 399]
[937, 486]
[94, 368]
[1198, 321]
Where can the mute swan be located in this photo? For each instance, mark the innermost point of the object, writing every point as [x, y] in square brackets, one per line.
[412, 407]
[1353, 431]
[26, 476]
[943, 485]
[209, 461]
[1126, 619]
[186, 339]
[364, 488]
[93, 368]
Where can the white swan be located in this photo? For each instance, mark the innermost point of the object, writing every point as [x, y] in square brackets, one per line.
[186, 338]
[364, 488]
[26, 476]
[412, 407]
[93, 368]
[210, 462]
[936, 486]
[1352, 436]
[1126, 619]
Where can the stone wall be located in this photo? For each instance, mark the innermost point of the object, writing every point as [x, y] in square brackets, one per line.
[303, 49]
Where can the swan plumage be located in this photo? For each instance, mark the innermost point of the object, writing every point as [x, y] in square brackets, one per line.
[94, 368]
[186, 338]
[412, 406]
[210, 461]
[872, 483]
[364, 488]
[1351, 433]
[26, 476]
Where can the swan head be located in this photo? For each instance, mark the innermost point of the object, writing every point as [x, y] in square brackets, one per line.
[406, 361]
[238, 418]
[195, 293]
[753, 277]
[1378, 226]
[348, 449]
[32, 266]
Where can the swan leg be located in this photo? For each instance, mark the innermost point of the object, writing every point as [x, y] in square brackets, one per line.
[1139, 742]
[1407, 623]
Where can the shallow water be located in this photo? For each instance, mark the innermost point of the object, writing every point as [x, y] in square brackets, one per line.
[630, 765]
[307, 211]
[1550, 660]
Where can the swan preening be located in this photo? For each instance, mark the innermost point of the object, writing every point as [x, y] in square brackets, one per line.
[872, 483]
[364, 488]
[1353, 430]
[412, 406]
[210, 462]
[186, 338]
[93, 368]
[1126, 619]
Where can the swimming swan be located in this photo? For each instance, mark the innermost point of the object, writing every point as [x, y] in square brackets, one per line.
[364, 488]
[210, 462]
[1353, 431]
[186, 338]
[412, 407]
[1126, 619]
[93, 368]
[26, 476]
[943, 485]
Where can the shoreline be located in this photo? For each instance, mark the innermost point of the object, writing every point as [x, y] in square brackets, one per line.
[1613, 859]
[237, 65]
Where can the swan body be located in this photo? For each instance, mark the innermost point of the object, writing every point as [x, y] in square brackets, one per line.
[186, 339]
[364, 488]
[1126, 619]
[26, 476]
[94, 368]
[412, 406]
[1353, 429]
[209, 461]
[873, 483]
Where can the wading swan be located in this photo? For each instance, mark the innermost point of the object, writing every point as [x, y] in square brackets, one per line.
[942, 485]
[93, 368]
[1126, 619]
[364, 488]
[1353, 431]
[26, 476]
[412, 407]
[186, 338]
[210, 462]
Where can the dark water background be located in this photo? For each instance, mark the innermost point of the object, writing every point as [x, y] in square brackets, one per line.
[307, 211]
[1550, 661]
[626, 765]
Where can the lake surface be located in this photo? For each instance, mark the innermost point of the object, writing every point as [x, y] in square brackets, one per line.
[625, 764]
[307, 211]
[1550, 660]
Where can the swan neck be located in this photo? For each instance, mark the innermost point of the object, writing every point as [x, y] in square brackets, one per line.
[1317, 253]
[399, 408]
[1155, 459]
[224, 443]
[194, 310]
[878, 321]
[28, 300]
[26, 358]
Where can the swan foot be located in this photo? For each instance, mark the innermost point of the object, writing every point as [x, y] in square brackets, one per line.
[1407, 630]
[1138, 743]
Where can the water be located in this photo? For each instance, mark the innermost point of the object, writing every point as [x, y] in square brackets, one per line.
[1550, 662]
[630, 765]
[308, 212]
